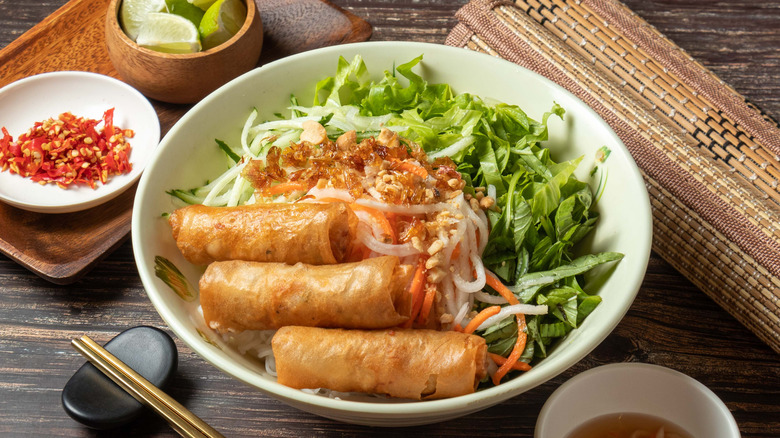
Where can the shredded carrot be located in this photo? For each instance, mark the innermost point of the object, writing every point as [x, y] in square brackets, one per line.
[456, 251]
[287, 187]
[392, 219]
[415, 289]
[457, 328]
[426, 305]
[496, 284]
[500, 360]
[379, 217]
[514, 356]
[411, 168]
[480, 318]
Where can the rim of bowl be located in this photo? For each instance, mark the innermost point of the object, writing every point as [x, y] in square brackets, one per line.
[546, 414]
[473, 402]
[251, 11]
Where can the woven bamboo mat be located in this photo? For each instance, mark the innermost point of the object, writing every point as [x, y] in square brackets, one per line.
[711, 160]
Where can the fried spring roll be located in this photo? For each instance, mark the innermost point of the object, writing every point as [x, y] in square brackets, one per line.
[413, 364]
[316, 234]
[238, 295]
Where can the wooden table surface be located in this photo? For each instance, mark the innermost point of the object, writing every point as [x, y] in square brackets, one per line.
[671, 323]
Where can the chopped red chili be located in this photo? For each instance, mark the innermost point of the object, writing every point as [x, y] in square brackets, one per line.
[68, 150]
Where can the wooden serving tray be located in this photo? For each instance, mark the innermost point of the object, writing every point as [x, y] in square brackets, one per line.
[62, 247]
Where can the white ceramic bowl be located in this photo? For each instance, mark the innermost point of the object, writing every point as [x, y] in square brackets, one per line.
[636, 388]
[187, 156]
[48, 95]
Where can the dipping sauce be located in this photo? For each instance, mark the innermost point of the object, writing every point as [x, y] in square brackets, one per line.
[628, 425]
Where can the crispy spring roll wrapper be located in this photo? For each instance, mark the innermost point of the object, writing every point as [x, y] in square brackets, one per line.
[239, 295]
[317, 234]
[413, 364]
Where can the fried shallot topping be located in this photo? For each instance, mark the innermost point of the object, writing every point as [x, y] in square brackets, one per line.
[387, 167]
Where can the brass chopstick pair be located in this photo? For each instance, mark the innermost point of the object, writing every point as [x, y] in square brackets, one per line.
[182, 420]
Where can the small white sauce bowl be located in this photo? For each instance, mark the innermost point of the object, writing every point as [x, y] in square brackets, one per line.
[638, 388]
[47, 95]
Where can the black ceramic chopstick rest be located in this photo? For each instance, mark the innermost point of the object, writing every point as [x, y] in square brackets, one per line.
[94, 400]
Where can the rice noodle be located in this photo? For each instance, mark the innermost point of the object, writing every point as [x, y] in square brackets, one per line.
[461, 315]
[471, 286]
[482, 226]
[367, 220]
[448, 295]
[256, 343]
[525, 309]
[270, 365]
[365, 237]
[404, 209]
[489, 299]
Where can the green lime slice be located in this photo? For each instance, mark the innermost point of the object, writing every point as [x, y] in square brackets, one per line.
[133, 13]
[168, 33]
[221, 21]
[202, 4]
[185, 9]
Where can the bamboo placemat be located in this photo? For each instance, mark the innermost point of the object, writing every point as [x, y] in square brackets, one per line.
[710, 159]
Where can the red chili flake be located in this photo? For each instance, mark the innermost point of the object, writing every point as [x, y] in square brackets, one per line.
[68, 150]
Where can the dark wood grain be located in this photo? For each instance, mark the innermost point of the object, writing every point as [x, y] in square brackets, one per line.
[671, 323]
[61, 248]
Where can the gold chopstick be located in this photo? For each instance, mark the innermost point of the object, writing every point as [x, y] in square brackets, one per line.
[182, 420]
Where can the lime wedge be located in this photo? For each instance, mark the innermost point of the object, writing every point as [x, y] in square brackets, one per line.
[186, 10]
[133, 13]
[221, 21]
[168, 33]
[202, 4]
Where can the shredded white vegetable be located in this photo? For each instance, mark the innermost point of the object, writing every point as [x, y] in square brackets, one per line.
[454, 148]
[525, 309]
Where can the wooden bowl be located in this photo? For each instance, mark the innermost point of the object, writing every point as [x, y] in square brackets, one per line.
[183, 78]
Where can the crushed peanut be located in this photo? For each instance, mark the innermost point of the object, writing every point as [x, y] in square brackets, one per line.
[435, 247]
[436, 275]
[474, 204]
[313, 132]
[346, 140]
[487, 202]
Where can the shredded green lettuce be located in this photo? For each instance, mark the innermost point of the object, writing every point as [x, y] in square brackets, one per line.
[543, 210]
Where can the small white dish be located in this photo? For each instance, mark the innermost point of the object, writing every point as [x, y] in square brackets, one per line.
[636, 388]
[84, 94]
